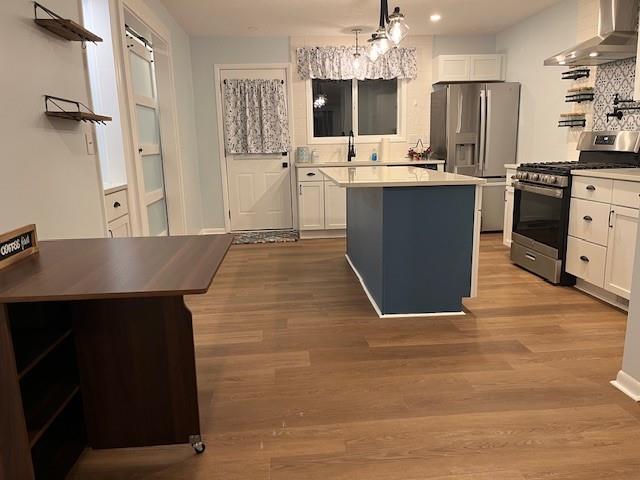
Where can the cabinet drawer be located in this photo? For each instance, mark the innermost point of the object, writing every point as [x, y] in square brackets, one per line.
[309, 175]
[116, 205]
[597, 189]
[586, 260]
[626, 194]
[589, 221]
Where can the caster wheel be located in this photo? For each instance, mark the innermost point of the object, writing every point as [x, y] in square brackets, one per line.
[199, 447]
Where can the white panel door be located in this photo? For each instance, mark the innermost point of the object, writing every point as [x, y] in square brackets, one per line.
[259, 185]
[335, 206]
[311, 205]
[621, 252]
[149, 163]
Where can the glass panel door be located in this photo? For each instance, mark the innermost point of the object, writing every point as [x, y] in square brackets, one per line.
[149, 163]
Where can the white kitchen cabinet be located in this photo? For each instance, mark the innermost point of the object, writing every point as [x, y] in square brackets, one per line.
[469, 68]
[120, 228]
[311, 205]
[621, 250]
[508, 216]
[335, 206]
[484, 68]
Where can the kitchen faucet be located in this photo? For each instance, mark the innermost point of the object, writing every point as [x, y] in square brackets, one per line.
[351, 150]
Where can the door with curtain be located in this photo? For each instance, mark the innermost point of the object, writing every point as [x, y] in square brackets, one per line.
[149, 162]
[259, 184]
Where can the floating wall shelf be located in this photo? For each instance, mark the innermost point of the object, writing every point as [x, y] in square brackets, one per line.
[579, 97]
[76, 114]
[63, 27]
[575, 74]
[572, 122]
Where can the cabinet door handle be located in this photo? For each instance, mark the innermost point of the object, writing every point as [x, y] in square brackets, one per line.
[300, 189]
[111, 233]
[116, 205]
[611, 214]
[584, 258]
[587, 218]
[311, 174]
[591, 188]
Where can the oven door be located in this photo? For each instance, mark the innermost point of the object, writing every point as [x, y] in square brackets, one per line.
[539, 218]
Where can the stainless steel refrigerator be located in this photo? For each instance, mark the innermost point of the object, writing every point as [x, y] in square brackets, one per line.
[474, 127]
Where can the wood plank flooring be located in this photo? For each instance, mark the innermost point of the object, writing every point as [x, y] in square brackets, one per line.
[299, 379]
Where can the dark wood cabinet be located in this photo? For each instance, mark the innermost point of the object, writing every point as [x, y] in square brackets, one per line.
[96, 349]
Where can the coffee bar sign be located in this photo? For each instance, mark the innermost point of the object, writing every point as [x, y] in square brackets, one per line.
[17, 244]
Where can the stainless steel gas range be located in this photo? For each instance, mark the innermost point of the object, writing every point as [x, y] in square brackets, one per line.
[543, 197]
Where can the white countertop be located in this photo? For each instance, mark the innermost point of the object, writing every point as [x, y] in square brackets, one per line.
[628, 174]
[367, 163]
[109, 189]
[384, 176]
[510, 166]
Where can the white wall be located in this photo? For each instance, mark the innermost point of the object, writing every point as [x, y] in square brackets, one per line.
[527, 45]
[46, 175]
[205, 53]
[185, 100]
[417, 105]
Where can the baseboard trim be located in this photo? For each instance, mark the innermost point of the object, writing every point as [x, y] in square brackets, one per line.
[602, 294]
[212, 231]
[318, 234]
[627, 385]
[395, 315]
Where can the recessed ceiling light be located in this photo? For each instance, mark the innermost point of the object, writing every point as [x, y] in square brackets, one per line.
[436, 17]
[594, 54]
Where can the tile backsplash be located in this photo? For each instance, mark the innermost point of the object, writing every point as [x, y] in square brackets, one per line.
[611, 78]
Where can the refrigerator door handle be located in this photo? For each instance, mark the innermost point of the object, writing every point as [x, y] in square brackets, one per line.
[460, 103]
[483, 126]
[487, 138]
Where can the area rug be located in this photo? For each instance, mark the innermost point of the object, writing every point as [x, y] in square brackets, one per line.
[264, 236]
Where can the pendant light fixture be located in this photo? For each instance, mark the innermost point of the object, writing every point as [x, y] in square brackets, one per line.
[392, 29]
[356, 54]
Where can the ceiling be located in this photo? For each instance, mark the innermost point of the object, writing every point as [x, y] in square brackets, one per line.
[335, 17]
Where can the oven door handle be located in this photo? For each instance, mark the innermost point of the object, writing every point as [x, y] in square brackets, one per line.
[546, 191]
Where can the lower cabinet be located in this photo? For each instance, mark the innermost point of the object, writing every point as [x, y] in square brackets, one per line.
[311, 205]
[120, 227]
[508, 216]
[602, 239]
[335, 206]
[621, 250]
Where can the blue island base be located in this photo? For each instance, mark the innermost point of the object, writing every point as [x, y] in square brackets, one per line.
[412, 247]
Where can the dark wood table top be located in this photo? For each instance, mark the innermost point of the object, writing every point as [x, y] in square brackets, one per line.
[115, 268]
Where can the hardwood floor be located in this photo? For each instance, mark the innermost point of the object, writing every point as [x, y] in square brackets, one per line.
[299, 379]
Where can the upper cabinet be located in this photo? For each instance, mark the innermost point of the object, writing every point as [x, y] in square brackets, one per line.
[469, 68]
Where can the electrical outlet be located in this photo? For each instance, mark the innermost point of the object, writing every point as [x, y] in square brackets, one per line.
[91, 144]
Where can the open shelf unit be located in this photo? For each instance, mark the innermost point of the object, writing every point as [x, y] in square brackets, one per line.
[65, 28]
[76, 113]
[572, 122]
[49, 380]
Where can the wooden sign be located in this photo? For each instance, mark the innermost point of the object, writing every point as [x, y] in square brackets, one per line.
[17, 244]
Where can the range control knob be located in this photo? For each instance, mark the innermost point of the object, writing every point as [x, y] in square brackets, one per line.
[534, 176]
[544, 178]
[553, 179]
[522, 175]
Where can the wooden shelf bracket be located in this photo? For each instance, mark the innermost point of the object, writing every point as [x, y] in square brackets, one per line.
[77, 113]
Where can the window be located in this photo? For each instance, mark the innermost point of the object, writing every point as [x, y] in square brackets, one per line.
[332, 108]
[368, 107]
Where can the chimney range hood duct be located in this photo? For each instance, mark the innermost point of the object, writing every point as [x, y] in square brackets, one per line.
[617, 37]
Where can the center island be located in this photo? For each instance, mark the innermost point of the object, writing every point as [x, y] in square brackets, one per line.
[412, 237]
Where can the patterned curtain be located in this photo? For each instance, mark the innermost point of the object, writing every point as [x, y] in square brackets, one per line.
[255, 117]
[336, 63]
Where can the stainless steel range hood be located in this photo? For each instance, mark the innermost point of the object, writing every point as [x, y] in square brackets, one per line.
[617, 37]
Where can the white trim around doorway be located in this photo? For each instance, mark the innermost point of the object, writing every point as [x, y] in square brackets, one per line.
[218, 68]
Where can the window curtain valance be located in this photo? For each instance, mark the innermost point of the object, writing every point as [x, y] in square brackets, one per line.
[336, 63]
[255, 116]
